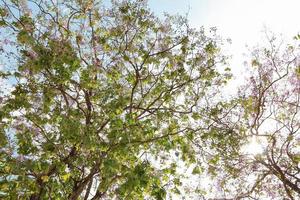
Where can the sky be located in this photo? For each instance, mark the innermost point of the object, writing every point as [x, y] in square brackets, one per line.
[243, 21]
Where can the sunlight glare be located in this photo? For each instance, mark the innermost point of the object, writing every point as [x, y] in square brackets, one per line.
[254, 147]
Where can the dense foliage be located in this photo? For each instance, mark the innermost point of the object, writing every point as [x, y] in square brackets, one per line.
[100, 93]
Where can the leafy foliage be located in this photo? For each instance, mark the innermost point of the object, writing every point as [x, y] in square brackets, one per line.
[98, 92]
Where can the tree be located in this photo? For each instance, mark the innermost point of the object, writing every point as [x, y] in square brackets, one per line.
[99, 91]
[266, 111]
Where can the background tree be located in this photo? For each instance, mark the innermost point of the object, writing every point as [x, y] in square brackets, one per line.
[266, 116]
[99, 91]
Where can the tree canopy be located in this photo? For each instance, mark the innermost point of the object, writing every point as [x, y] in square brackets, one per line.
[104, 100]
[99, 91]
[267, 110]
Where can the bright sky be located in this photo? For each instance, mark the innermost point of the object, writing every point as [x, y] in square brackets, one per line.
[242, 21]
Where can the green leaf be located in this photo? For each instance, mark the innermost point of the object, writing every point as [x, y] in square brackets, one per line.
[196, 170]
